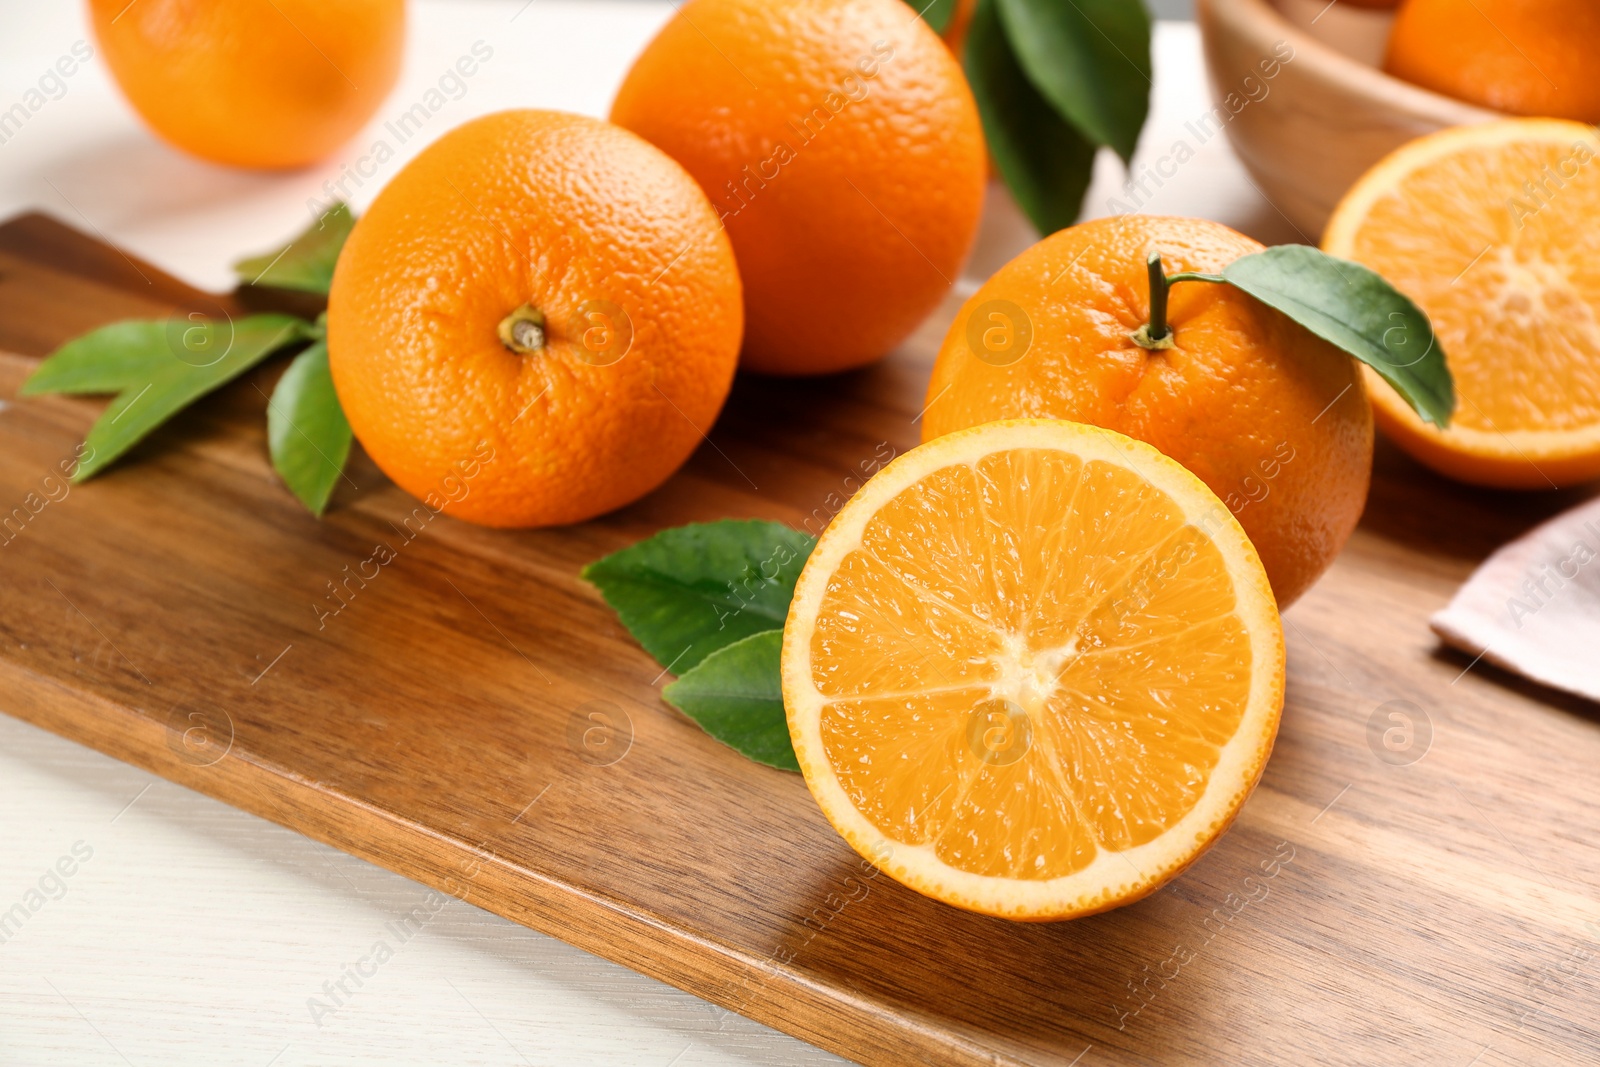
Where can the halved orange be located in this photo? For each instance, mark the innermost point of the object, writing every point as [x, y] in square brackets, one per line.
[1033, 669]
[1491, 230]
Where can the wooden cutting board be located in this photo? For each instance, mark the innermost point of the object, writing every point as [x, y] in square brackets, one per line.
[474, 717]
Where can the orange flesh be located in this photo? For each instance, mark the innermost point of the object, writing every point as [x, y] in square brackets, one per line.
[1510, 276]
[1087, 664]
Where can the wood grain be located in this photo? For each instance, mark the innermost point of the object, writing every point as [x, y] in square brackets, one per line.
[1421, 913]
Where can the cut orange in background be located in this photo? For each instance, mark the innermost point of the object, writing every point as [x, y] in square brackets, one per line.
[1491, 230]
[1033, 669]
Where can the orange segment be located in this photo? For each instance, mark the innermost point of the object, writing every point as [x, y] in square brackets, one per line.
[882, 635]
[890, 753]
[1033, 669]
[1490, 230]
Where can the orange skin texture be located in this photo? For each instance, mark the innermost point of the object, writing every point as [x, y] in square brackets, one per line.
[842, 146]
[1273, 419]
[268, 84]
[1525, 57]
[556, 211]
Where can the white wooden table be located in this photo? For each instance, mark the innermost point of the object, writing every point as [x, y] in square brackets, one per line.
[189, 932]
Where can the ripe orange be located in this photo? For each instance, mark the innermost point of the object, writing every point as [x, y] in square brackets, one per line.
[1033, 669]
[841, 146]
[253, 83]
[1272, 418]
[1528, 57]
[1491, 230]
[535, 321]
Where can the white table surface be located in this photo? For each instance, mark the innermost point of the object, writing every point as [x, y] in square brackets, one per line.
[195, 933]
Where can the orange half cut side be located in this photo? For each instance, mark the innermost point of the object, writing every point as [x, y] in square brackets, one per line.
[1033, 669]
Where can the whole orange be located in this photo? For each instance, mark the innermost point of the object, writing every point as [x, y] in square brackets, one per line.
[536, 321]
[1272, 418]
[1526, 57]
[253, 83]
[840, 144]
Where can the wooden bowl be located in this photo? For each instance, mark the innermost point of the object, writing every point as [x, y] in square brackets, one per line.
[1313, 125]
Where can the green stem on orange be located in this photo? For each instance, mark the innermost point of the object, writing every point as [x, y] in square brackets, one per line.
[1157, 334]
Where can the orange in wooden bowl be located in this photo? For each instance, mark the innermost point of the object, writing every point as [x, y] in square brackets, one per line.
[1304, 117]
[1526, 57]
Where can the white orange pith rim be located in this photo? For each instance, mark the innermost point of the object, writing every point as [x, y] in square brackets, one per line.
[1033, 669]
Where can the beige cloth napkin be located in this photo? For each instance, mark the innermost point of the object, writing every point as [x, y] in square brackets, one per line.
[1534, 606]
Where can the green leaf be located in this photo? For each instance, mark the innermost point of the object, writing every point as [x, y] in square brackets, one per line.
[689, 591]
[1044, 160]
[736, 695]
[307, 261]
[107, 360]
[1356, 309]
[307, 432]
[1090, 59]
[192, 360]
[936, 13]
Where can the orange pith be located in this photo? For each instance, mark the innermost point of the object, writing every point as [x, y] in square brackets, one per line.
[1489, 229]
[1030, 662]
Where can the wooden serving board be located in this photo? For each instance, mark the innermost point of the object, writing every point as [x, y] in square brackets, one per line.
[474, 717]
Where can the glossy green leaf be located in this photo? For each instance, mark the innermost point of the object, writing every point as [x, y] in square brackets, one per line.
[1044, 160]
[157, 369]
[305, 263]
[1090, 59]
[736, 695]
[691, 590]
[307, 432]
[936, 13]
[1356, 309]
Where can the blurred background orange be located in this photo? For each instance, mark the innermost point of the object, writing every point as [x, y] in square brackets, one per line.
[253, 83]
